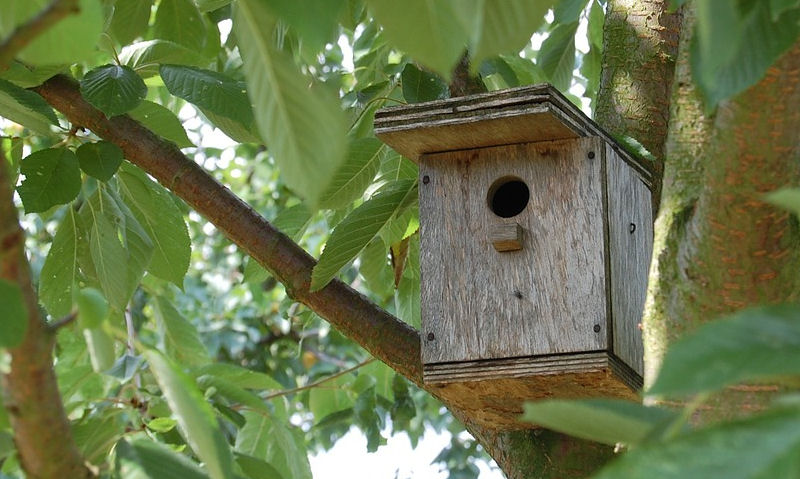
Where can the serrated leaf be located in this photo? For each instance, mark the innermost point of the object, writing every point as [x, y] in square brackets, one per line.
[434, 33]
[113, 89]
[99, 160]
[314, 20]
[209, 90]
[556, 56]
[52, 177]
[507, 27]
[26, 108]
[419, 85]
[304, 127]
[146, 459]
[396, 167]
[358, 228]
[71, 39]
[163, 222]
[14, 322]
[761, 42]
[601, 420]
[146, 56]
[760, 447]
[527, 72]
[109, 259]
[180, 21]
[375, 267]
[181, 340]
[755, 344]
[94, 436]
[355, 174]
[130, 19]
[407, 301]
[139, 246]
[92, 308]
[101, 349]
[162, 122]
[270, 440]
[59, 272]
[196, 420]
[293, 221]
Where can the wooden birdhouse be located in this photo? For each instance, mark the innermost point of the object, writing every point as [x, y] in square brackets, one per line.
[536, 236]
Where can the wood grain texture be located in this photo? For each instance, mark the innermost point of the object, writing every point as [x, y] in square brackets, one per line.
[630, 224]
[506, 237]
[496, 403]
[544, 299]
[517, 115]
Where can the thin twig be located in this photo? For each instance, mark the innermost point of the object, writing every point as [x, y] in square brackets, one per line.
[286, 392]
[28, 31]
[60, 323]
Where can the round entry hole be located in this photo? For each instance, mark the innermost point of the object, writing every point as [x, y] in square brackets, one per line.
[508, 196]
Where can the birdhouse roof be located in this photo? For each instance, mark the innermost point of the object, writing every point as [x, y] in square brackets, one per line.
[518, 115]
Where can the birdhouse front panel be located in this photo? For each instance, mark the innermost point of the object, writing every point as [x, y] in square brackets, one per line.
[512, 251]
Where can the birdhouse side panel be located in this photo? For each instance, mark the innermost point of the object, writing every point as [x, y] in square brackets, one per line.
[630, 222]
[546, 292]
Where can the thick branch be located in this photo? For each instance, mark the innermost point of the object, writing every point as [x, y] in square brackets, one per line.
[41, 430]
[384, 336]
[25, 33]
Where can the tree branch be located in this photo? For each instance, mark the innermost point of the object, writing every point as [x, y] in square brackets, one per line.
[41, 429]
[381, 334]
[25, 33]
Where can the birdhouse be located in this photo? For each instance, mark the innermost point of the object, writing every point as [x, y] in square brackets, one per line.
[536, 236]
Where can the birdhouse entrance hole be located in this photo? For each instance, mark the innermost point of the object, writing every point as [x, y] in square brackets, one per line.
[508, 197]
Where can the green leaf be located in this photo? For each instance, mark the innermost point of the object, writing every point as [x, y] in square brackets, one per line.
[374, 267]
[752, 345]
[594, 30]
[235, 129]
[125, 367]
[358, 228]
[162, 122]
[144, 57]
[314, 20]
[507, 27]
[357, 172]
[99, 160]
[101, 348]
[209, 90]
[211, 5]
[265, 438]
[27, 76]
[14, 322]
[557, 55]
[196, 420]
[368, 419]
[130, 19]
[60, 269]
[761, 41]
[527, 72]
[256, 468]
[145, 459]
[419, 85]
[12, 151]
[26, 108]
[181, 340]
[92, 308]
[293, 221]
[568, 11]
[113, 89]
[304, 127]
[786, 198]
[330, 398]
[180, 21]
[52, 177]
[163, 222]
[162, 424]
[109, 258]
[95, 435]
[760, 447]
[435, 33]
[138, 245]
[239, 376]
[407, 301]
[71, 39]
[233, 393]
[601, 420]
[778, 7]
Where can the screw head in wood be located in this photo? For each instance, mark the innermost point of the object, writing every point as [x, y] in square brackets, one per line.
[631, 228]
[431, 337]
[517, 294]
[591, 155]
[426, 179]
[596, 328]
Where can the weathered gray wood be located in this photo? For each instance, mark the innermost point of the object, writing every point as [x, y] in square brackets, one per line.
[546, 298]
[515, 367]
[630, 225]
[506, 237]
[518, 115]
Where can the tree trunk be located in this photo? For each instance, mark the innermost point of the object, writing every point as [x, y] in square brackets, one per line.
[718, 247]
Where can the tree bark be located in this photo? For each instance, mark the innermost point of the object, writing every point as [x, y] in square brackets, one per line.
[41, 430]
[719, 248]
